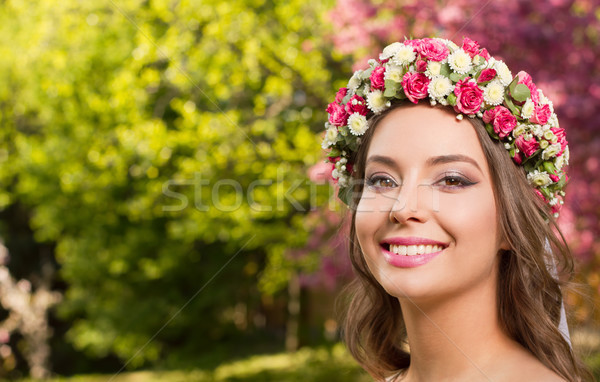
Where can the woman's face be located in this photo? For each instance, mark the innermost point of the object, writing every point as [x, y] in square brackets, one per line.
[427, 220]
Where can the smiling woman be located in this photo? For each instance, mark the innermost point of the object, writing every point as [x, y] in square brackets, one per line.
[453, 235]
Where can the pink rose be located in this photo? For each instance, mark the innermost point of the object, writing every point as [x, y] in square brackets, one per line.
[484, 53]
[470, 46]
[415, 86]
[377, 75]
[559, 132]
[433, 50]
[341, 94]
[554, 178]
[555, 208]
[527, 147]
[337, 114]
[414, 43]
[469, 96]
[502, 119]
[539, 193]
[486, 75]
[421, 66]
[541, 114]
[357, 104]
[517, 158]
[525, 79]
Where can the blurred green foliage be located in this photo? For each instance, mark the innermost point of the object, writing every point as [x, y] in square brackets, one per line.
[315, 365]
[133, 135]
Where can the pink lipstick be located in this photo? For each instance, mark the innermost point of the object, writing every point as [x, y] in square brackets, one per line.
[410, 252]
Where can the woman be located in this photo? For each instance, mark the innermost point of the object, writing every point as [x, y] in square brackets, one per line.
[453, 234]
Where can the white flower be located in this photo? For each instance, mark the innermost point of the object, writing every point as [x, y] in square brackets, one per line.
[538, 131]
[439, 87]
[343, 180]
[330, 137]
[551, 151]
[559, 162]
[460, 62]
[357, 124]
[390, 50]
[503, 72]
[528, 108]
[567, 155]
[433, 69]
[404, 55]
[493, 93]
[355, 81]
[450, 44]
[553, 120]
[393, 72]
[377, 102]
[540, 179]
[519, 130]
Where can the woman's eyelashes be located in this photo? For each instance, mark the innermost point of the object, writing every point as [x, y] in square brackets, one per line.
[380, 182]
[449, 181]
[452, 181]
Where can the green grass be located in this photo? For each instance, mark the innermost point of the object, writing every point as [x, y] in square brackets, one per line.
[306, 365]
[323, 364]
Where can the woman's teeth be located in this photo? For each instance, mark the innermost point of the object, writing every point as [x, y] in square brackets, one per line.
[412, 250]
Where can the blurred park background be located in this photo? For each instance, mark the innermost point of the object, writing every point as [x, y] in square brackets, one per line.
[157, 212]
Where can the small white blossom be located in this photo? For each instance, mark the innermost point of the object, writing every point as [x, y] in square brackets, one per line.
[433, 69]
[355, 81]
[439, 87]
[503, 72]
[377, 102]
[404, 55]
[559, 162]
[519, 130]
[460, 62]
[357, 124]
[493, 93]
[390, 50]
[528, 109]
[330, 137]
[393, 72]
[551, 151]
[343, 180]
[539, 178]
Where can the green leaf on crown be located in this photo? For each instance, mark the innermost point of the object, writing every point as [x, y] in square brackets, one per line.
[549, 167]
[335, 152]
[491, 131]
[445, 70]
[455, 77]
[365, 75]
[451, 99]
[510, 105]
[520, 93]
[391, 88]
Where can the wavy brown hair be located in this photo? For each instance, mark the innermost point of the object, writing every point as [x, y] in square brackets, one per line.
[529, 297]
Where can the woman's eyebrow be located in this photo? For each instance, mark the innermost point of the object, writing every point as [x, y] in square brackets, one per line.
[383, 160]
[433, 161]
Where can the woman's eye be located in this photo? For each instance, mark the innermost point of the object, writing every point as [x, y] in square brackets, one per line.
[453, 181]
[380, 182]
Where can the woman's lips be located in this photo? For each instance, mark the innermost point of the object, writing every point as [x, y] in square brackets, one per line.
[410, 256]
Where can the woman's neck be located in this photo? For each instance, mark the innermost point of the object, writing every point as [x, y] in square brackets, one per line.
[457, 339]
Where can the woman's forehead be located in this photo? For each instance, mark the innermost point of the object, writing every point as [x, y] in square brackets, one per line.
[415, 133]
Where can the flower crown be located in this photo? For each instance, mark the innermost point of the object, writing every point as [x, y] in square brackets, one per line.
[475, 84]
